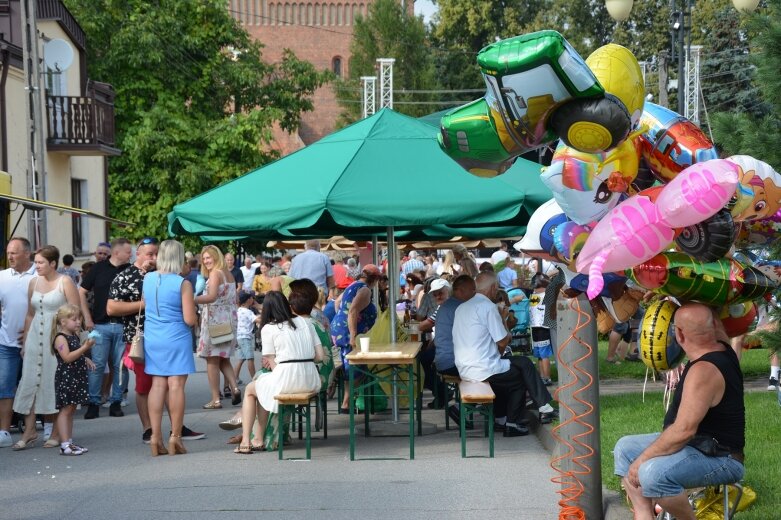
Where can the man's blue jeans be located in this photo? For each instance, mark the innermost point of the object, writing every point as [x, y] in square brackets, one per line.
[110, 346]
[669, 475]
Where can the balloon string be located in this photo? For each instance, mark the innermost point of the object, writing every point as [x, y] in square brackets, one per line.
[571, 487]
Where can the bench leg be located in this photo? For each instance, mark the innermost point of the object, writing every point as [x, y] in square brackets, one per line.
[324, 406]
[300, 423]
[462, 428]
[281, 430]
[491, 430]
[307, 411]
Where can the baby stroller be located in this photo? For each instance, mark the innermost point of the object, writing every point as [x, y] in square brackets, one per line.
[521, 337]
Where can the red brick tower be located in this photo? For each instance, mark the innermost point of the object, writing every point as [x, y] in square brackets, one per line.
[317, 31]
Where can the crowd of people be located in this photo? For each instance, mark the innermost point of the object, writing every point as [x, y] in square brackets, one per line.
[65, 339]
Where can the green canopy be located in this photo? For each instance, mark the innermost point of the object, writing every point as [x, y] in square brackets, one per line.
[384, 171]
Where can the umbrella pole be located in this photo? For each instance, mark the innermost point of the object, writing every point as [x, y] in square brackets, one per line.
[376, 261]
[393, 282]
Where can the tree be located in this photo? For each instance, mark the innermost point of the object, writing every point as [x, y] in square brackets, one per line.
[744, 132]
[195, 103]
[389, 32]
[462, 27]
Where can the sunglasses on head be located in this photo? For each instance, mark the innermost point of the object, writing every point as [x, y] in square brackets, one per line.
[146, 241]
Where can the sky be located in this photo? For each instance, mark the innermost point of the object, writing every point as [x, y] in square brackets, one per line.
[426, 8]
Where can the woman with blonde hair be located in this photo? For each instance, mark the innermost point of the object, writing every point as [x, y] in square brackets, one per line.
[465, 261]
[46, 293]
[219, 308]
[169, 311]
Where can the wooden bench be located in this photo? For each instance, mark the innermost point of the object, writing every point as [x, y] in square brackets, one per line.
[300, 405]
[477, 398]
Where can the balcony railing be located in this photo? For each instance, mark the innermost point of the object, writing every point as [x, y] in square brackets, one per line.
[82, 125]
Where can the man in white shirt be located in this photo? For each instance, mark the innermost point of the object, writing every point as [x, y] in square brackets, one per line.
[316, 266]
[13, 309]
[248, 273]
[480, 335]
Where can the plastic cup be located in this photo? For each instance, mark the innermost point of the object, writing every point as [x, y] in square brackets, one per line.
[364, 344]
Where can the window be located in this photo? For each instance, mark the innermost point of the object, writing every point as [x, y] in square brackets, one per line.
[336, 66]
[79, 222]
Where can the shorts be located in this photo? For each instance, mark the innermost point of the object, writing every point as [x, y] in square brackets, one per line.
[246, 348]
[541, 344]
[143, 380]
[10, 370]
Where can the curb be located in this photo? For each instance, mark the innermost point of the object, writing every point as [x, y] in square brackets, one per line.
[613, 505]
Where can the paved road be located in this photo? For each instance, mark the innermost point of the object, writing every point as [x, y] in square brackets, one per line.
[118, 479]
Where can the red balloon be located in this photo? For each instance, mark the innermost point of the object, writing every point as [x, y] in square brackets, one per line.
[738, 318]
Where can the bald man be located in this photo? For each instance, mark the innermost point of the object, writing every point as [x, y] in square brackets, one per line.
[704, 429]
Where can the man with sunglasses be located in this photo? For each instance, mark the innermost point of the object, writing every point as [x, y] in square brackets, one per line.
[124, 301]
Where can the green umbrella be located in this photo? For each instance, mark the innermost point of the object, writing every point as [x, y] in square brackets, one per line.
[383, 171]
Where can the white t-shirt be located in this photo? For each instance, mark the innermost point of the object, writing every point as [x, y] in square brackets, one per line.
[245, 320]
[476, 329]
[13, 304]
[537, 309]
[248, 273]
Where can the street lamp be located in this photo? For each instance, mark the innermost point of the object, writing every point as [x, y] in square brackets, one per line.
[680, 30]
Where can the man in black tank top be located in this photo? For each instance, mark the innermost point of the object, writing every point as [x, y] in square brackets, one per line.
[704, 429]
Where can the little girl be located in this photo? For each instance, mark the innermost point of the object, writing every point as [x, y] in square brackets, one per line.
[70, 379]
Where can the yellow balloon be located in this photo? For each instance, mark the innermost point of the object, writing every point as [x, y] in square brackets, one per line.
[658, 347]
[617, 70]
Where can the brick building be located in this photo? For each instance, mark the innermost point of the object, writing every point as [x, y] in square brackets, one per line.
[317, 31]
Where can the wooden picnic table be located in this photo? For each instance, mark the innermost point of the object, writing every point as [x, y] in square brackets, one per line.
[395, 357]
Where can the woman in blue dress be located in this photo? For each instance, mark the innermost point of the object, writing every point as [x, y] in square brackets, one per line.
[355, 315]
[170, 314]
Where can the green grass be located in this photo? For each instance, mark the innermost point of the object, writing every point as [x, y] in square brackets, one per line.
[754, 363]
[627, 414]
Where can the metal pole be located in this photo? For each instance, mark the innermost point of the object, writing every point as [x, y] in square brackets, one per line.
[393, 282]
[36, 180]
[375, 261]
[577, 337]
[683, 20]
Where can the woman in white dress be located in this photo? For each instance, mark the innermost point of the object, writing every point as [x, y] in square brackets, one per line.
[35, 393]
[291, 348]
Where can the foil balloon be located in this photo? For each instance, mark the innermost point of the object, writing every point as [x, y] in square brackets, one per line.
[600, 124]
[658, 347]
[527, 78]
[639, 227]
[758, 234]
[672, 143]
[737, 318]
[587, 186]
[764, 185]
[538, 240]
[724, 281]
[710, 239]
[568, 240]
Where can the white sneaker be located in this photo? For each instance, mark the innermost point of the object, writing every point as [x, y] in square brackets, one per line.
[6, 441]
[106, 405]
[123, 403]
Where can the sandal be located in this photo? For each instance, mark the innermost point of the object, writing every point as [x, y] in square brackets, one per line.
[212, 405]
[236, 397]
[71, 450]
[51, 443]
[22, 444]
[258, 447]
[243, 450]
[613, 361]
[236, 439]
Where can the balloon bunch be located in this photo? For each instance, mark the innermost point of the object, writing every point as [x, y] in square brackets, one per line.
[639, 191]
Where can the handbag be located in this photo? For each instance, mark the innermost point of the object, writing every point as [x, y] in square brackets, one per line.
[136, 353]
[220, 333]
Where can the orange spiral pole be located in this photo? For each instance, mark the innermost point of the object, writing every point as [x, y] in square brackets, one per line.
[574, 451]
